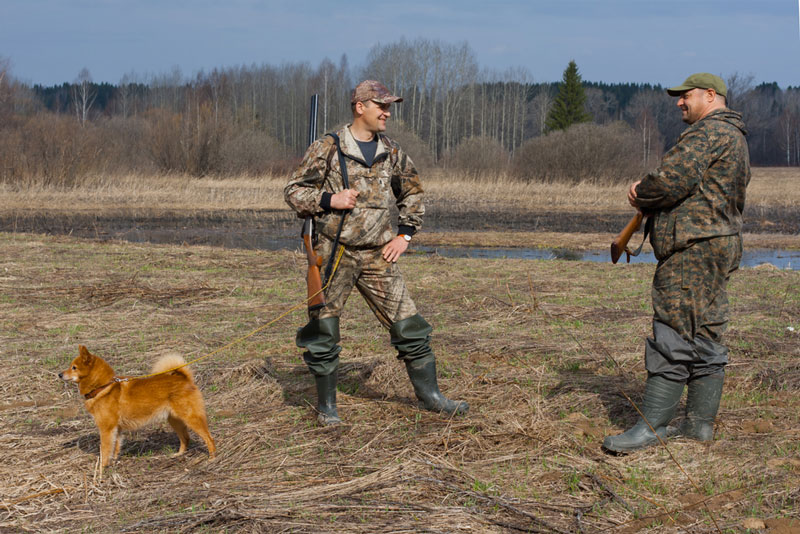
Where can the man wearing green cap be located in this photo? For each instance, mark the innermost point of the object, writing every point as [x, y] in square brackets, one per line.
[694, 201]
[353, 216]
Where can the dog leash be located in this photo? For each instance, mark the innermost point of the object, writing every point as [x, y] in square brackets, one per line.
[235, 341]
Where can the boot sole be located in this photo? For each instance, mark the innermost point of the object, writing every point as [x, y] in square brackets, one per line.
[327, 420]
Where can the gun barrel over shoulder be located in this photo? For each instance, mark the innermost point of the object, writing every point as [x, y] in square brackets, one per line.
[620, 243]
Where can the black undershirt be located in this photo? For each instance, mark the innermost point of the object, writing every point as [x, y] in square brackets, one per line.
[368, 149]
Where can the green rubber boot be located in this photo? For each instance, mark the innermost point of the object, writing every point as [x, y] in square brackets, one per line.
[320, 338]
[702, 404]
[326, 399]
[411, 337]
[661, 397]
[422, 373]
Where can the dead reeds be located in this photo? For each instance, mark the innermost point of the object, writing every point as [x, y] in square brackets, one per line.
[492, 193]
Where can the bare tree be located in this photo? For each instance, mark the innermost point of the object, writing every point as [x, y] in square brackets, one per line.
[789, 127]
[643, 112]
[5, 85]
[4, 68]
[83, 95]
[739, 88]
[126, 95]
[542, 103]
[600, 104]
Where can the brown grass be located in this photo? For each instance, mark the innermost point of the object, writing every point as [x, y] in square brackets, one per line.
[775, 187]
[540, 349]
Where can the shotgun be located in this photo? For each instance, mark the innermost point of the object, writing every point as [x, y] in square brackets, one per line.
[620, 243]
[316, 298]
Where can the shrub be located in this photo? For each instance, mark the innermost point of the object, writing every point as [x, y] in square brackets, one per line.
[478, 156]
[254, 153]
[582, 153]
[417, 149]
[47, 149]
[185, 143]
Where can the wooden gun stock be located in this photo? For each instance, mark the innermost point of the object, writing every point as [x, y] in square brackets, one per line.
[620, 243]
[316, 298]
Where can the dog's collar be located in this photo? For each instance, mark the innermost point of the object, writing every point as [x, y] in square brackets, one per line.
[92, 394]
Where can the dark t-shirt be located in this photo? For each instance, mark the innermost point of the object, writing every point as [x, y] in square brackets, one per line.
[368, 149]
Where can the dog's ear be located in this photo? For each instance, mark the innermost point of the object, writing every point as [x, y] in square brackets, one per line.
[85, 355]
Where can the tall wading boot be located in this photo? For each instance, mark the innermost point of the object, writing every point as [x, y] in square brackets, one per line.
[422, 373]
[320, 338]
[411, 337]
[661, 397]
[702, 404]
[326, 399]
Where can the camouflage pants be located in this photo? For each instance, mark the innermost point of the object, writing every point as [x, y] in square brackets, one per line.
[690, 304]
[379, 282]
[382, 286]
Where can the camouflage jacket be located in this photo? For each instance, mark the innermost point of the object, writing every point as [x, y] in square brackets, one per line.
[698, 191]
[392, 179]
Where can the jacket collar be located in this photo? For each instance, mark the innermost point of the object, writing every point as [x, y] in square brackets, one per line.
[351, 149]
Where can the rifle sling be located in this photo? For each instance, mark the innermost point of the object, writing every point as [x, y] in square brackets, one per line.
[638, 250]
[346, 184]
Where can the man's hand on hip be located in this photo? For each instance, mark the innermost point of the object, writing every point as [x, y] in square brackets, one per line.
[394, 248]
[344, 200]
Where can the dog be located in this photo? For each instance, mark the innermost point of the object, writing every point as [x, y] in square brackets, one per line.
[118, 404]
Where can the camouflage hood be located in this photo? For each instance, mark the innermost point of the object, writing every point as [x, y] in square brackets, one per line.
[727, 115]
[353, 151]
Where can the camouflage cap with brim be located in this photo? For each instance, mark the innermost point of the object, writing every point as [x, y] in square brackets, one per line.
[701, 80]
[375, 91]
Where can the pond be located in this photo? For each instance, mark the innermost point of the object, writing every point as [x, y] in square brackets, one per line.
[283, 232]
[266, 239]
[782, 259]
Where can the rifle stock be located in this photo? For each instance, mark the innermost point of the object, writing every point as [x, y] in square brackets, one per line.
[316, 298]
[620, 243]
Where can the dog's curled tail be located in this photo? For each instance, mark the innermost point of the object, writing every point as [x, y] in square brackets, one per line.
[171, 361]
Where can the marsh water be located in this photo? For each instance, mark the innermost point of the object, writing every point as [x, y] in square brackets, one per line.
[782, 259]
[279, 230]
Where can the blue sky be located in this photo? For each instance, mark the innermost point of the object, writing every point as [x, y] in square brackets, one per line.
[654, 41]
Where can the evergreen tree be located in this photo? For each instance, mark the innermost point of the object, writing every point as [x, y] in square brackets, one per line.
[568, 107]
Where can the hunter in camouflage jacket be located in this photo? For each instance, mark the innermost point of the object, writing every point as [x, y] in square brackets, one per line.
[698, 191]
[392, 179]
[695, 199]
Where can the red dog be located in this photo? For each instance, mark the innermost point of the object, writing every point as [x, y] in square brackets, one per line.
[127, 405]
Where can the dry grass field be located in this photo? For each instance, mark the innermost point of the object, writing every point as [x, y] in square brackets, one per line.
[774, 186]
[544, 351]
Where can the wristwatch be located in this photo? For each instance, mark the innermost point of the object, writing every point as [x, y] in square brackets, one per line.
[405, 236]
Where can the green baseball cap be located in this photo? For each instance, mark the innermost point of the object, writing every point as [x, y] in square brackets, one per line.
[701, 80]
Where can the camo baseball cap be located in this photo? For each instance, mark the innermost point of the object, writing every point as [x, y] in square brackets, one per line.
[701, 80]
[375, 91]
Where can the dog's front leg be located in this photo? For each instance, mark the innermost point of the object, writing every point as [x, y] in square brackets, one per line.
[117, 444]
[108, 441]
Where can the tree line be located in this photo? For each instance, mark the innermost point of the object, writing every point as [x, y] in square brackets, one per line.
[455, 114]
